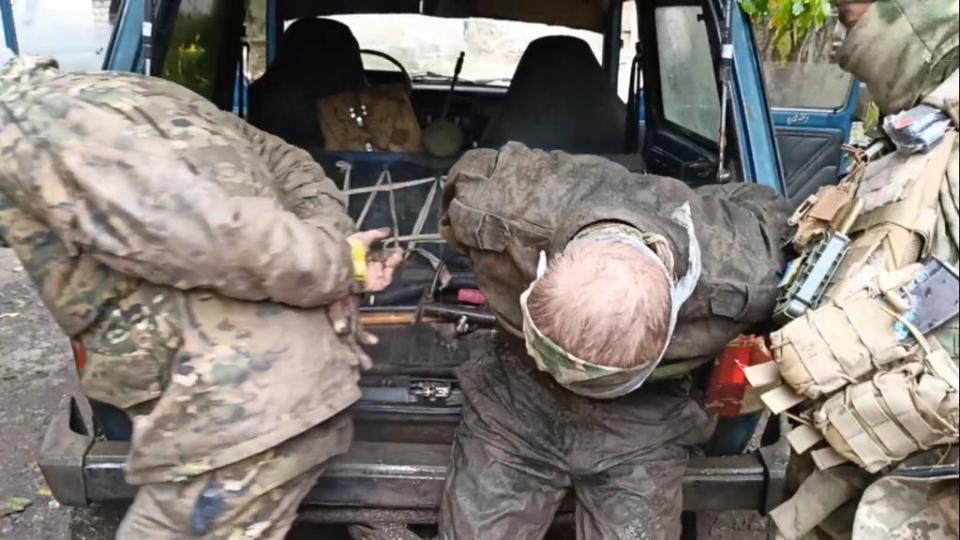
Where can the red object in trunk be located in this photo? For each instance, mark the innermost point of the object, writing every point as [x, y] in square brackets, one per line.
[471, 296]
[79, 355]
[729, 393]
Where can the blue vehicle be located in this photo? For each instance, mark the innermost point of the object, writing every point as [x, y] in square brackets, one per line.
[696, 107]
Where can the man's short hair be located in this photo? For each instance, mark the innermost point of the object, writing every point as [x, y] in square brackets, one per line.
[605, 302]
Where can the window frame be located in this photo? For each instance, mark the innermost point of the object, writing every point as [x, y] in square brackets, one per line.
[653, 89]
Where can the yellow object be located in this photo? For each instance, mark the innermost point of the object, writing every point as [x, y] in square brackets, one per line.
[358, 254]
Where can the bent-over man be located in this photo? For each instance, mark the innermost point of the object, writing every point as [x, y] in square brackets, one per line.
[610, 287]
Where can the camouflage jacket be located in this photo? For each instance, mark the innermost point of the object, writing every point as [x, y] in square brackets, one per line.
[190, 253]
[503, 207]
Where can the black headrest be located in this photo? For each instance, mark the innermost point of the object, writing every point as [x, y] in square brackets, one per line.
[321, 52]
[317, 58]
[560, 99]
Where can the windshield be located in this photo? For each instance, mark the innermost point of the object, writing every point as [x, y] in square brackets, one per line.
[428, 46]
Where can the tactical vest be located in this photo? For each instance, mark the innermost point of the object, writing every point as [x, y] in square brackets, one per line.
[871, 388]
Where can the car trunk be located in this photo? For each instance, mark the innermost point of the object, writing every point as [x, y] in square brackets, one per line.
[411, 394]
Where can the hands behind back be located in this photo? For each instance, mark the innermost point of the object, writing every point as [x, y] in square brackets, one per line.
[374, 274]
[380, 264]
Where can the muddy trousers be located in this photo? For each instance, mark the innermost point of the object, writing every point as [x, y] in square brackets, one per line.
[257, 497]
[525, 443]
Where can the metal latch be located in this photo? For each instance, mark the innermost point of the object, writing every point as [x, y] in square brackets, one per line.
[431, 390]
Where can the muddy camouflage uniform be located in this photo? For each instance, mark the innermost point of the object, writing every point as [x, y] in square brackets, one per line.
[525, 441]
[907, 52]
[191, 255]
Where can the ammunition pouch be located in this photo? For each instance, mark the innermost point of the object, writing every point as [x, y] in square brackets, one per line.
[901, 195]
[847, 338]
[880, 422]
[814, 215]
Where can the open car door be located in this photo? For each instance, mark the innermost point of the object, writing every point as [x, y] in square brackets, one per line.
[812, 106]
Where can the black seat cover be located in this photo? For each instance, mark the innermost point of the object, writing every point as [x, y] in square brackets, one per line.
[560, 99]
[317, 58]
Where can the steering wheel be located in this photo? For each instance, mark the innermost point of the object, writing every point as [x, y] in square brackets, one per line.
[408, 83]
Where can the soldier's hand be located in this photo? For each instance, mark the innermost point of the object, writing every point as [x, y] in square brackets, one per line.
[344, 316]
[370, 237]
[381, 266]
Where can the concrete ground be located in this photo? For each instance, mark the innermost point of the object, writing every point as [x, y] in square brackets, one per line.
[35, 372]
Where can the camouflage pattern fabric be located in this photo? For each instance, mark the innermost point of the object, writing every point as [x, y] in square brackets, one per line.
[903, 508]
[503, 207]
[192, 255]
[918, 42]
[254, 498]
[603, 382]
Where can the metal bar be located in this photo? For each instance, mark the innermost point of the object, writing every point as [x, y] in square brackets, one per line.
[274, 27]
[9, 28]
[406, 476]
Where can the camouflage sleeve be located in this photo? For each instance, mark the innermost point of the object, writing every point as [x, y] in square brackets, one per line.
[154, 216]
[303, 186]
[474, 164]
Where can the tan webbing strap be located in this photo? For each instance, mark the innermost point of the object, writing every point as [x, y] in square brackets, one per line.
[836, 329]
[939, 362]
[902, 214]
[932, 392]
[811, 360]
[817, 497]
[896, 396]
[763, 374]
[839, 415]
[825, 458]
[780, 399]
[803, 438]
[888, 433]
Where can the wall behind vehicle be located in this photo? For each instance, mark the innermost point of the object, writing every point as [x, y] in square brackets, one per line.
[75, 32]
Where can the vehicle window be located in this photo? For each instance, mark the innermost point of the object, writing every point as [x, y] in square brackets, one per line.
[809, 78]
[800, 85]
[194, 51]
[428, 46]
[41, 25]
[687, 77]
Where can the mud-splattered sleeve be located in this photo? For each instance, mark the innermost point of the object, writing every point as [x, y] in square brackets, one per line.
[300, 181]
[153, 216]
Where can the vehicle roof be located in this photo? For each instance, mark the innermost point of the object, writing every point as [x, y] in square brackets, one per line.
[585, 14]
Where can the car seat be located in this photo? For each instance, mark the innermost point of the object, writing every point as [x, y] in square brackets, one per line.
[317, 58]
[560, 99]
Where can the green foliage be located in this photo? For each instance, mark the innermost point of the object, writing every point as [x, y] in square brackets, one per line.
[790, 21]
[871, 117]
